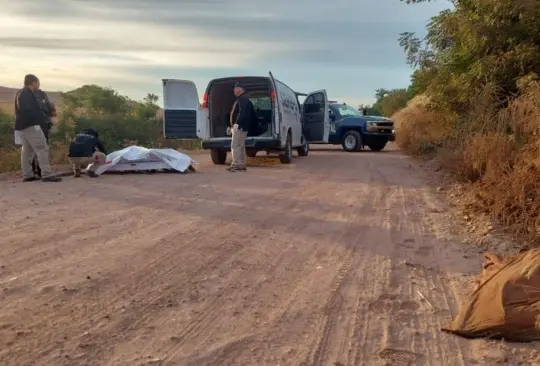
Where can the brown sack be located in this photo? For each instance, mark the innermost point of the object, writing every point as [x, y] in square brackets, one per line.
[506, 304]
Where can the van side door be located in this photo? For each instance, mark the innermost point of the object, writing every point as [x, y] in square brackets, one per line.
[316, 117]
[277, 113]
[290, 113]
[183, 117]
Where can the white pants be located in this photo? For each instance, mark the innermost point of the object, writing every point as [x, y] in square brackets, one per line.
[238, 147]
[34, 144]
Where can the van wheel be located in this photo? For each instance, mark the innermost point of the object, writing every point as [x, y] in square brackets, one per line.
[303, 150]
[218, 156]
[352, 141]
[251, 153]
[286, 157]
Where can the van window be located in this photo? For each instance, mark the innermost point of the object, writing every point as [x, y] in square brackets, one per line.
[313, 104]
[262, 103]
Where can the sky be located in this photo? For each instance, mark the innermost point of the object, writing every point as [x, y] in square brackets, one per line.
[348, 47]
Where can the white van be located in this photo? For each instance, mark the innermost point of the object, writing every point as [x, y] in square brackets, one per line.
[284, 124]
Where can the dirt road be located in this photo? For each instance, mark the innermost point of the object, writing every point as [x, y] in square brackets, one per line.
[337, 259]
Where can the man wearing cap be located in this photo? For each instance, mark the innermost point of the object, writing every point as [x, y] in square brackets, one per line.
[241, 125]
[29, 118]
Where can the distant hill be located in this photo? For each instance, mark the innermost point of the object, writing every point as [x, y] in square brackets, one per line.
[7, 97]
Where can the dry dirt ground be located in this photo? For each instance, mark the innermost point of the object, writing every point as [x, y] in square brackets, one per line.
[336, 259]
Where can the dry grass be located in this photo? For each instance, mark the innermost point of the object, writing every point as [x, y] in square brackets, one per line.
[416, 131]
[11, 158]
[497, 151]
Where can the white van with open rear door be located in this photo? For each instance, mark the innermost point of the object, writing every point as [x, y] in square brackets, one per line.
[283, 124]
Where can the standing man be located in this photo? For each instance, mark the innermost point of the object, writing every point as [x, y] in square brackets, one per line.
[49, 110]
[29, 118]
[244, 117]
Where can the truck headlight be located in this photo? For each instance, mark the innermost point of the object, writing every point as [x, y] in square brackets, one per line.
[332, 128]
[371, 126]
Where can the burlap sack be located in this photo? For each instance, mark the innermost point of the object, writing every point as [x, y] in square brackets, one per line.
[506, 304]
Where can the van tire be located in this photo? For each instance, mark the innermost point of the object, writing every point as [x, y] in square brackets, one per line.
[352, 141]
[303, 150]
[286, 156]
[218, 156]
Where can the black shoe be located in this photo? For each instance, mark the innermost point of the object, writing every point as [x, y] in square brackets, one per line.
[92, 174]
[31, 179]
[77, 173]
[51, 179]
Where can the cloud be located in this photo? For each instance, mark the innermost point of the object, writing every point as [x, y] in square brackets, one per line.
[349, 47]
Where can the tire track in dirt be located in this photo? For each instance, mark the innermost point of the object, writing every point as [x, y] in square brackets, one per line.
[371, 287]
[210, 315]
[365, 199]
[139, 282]
[332, 309]
[422, 280]
[316, 263]
[148, 295]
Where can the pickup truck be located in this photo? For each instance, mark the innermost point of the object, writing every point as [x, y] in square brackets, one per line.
[352, 130]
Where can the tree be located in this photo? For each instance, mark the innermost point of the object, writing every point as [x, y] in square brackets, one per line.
[95, 100]
[151, 99]
[394, 101]
[476, 46]
[369, 110]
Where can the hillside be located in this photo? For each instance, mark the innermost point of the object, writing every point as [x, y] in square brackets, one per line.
[7, 95]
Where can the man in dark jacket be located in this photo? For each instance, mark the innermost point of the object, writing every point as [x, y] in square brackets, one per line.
[49, 111]
[241, 126]
[85, 149]
[28, 121]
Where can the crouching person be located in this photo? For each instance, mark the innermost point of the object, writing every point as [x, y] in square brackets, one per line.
[85, 149]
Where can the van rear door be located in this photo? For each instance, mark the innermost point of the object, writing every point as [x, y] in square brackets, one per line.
[183, 118]
[315, 117]
[275, 102]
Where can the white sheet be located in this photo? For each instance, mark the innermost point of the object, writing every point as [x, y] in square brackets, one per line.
[138, 158]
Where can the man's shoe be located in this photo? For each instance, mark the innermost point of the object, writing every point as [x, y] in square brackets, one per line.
[92, 174]
[51, 179]
[30, 179]
[77, 173]
[234, 169]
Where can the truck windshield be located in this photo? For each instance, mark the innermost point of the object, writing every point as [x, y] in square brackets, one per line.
[347, 111]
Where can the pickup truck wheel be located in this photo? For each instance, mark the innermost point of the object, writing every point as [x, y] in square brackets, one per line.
[251, 153]
[352, 141]
[218, 156]
[303, 150]
[286, 156]
[377, 147]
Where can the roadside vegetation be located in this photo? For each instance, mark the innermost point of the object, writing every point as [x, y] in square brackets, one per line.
[475, 105]
[120, 122]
